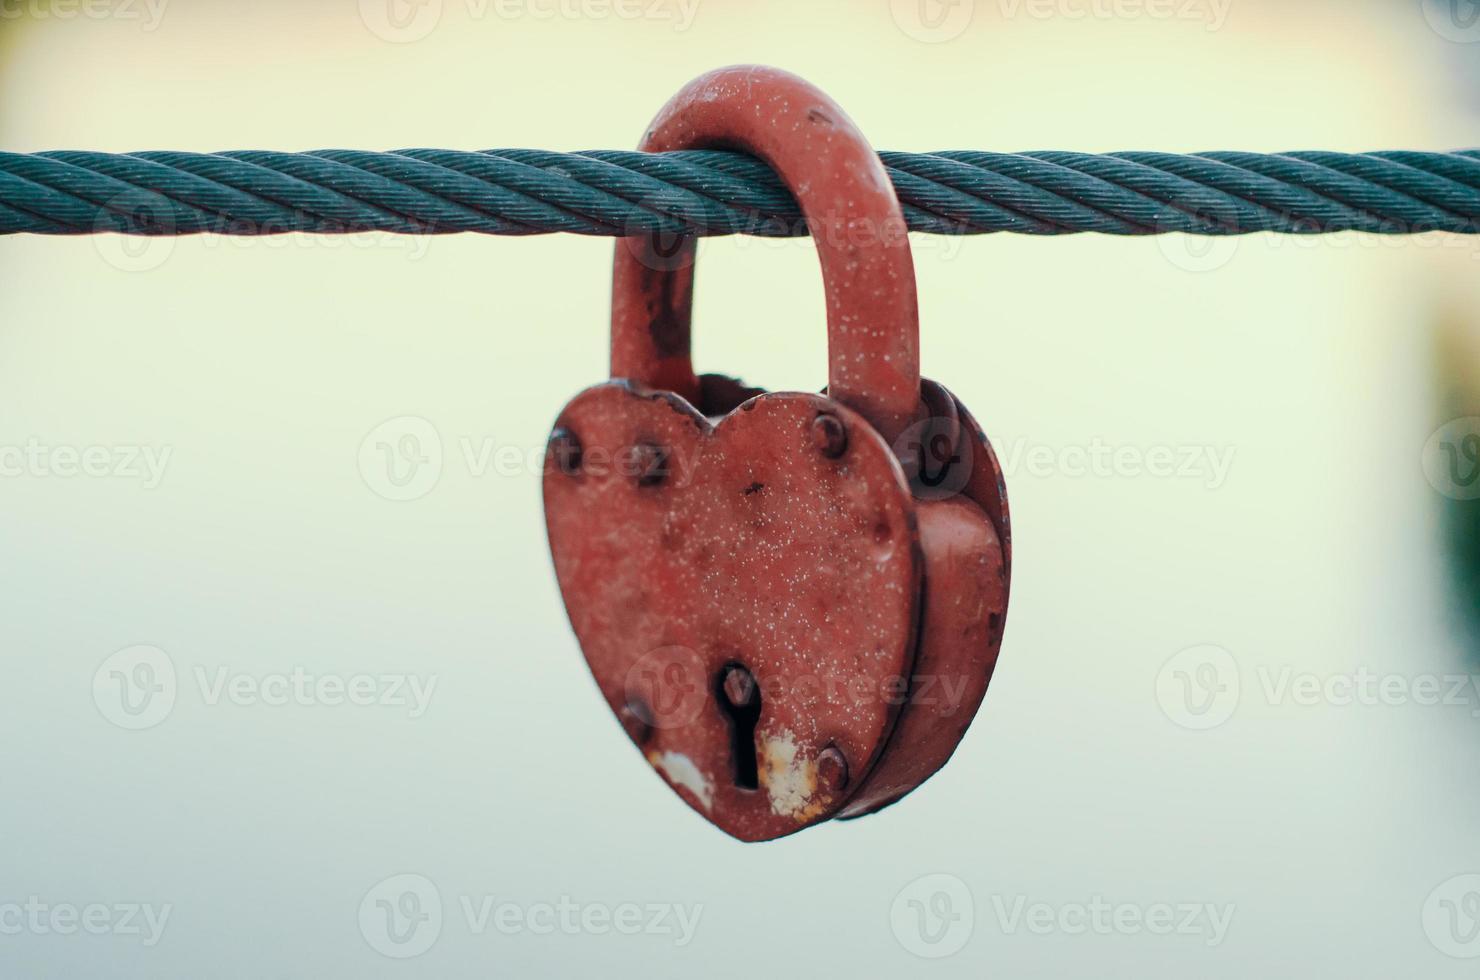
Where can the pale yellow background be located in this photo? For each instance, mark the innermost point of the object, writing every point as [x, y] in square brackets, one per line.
[264, 364]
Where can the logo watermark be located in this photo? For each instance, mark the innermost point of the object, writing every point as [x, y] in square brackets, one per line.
[666, 246]
[136, 231]
[1451, 917]
[933, 916]
[1198, 688]
[933, 21]
[936, 454]
[406, 21]
[939, 21]
[1201, 687]
[669, 687]
[138, 688]
[1212, 246]
[1451, 459]
[1453, 20]
[404, 459]
[401, 459]
[403, 916]
[1215, 247]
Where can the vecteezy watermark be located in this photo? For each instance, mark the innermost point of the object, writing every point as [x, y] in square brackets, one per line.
[403, 459]
[1208, 921]
[1203, 233]
[1198, 688]
[659, 233]
[1098, 459]
[1211, 13]
[567, 917]
[669, 686]
[933, 916]
[936, 454]
[401, 21]
[403, 916]
[1451, 917]
[129, 252]
[138, 687]
[933, 21]
[136, 231]
[1197, 232]
[1453, 20]
[34, 459]
[405, 21]
[148, 12]
[1201, 687]
[665, 688]
[1451, 459]
[41, 918]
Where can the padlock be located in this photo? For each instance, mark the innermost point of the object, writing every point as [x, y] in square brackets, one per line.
[792, 602]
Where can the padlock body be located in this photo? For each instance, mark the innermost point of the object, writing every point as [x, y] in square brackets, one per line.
[966, 544]
[756, 542]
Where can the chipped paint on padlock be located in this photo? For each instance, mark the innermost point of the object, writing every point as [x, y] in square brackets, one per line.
[764, 602]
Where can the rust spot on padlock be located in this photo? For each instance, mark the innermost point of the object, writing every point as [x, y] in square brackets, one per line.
[792, 602]
[648, 464]
[829, 435]
[565, 451]
[832, 770]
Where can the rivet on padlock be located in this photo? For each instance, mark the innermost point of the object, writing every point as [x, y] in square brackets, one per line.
[793, 602]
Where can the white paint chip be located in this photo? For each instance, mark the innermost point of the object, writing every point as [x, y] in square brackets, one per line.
[681, 771]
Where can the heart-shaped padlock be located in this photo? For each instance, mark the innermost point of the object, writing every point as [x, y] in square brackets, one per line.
[792, 602]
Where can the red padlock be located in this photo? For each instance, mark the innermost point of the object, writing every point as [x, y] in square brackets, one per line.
[792, 602]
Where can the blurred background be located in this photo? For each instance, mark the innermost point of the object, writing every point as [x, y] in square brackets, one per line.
[1234, 727]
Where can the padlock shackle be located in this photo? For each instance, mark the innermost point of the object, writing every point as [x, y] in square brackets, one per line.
[851, 211]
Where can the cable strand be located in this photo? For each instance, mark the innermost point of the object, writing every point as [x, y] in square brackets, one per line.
[712, 192]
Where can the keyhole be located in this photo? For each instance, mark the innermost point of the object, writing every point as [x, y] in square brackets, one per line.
[740, 699]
